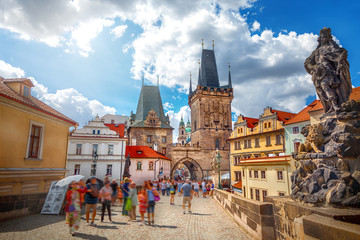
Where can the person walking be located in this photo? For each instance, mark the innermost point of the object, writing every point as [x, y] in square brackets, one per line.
[163, 187]
[187, 192]
[106, 197]
[134, 201]
[142, 204]
[196, 189]
[172, 193]
[125, 191]
[212, 188]
[179, 187]
[208, 186]
[168, 185]
[73, 206]
[91, 200]
[114, 187]
[150, 196]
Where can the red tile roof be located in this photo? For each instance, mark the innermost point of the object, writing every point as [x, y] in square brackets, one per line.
[355, 95]
[31, 101]
[303, 115]
[143, 152]
[119, 128]
[251, 122]
[283, 116]
[238, 185]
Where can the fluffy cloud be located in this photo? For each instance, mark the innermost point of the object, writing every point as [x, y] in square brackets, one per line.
[67, 101]
[118, 31]
[175, 118]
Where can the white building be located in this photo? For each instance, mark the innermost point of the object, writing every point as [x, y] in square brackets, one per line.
[147, 164]
[101, 143]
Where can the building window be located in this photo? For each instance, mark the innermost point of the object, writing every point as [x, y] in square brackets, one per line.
[256, 155]
[251, 193]
[250, 174]
[77, 169]
[237, 160]
[182, 143]
[243, 173]
[280, 175]
[256, 174]
[163, 139]
[263, 174]
[257, 194]
[26, 91]
[78, 149]
[295, 130]
[138, 166]
[244, 191]
[98, 132]
[238, 130]
[265, 125]
[247, 143]
[264, 193]
[34, 144]
[94, 131]
[278, 139]
[149, 138]
[237, 176]
[195, 126]
[268, 140]
[269, 125]
[257, 142]
[109, 170]
[217, 143]
[151, 166]
[110, 149]
[296, 146]
[95, 150]
[182, 132]
[241, 130]
[164, 151]
[281, 194]
[112, 121]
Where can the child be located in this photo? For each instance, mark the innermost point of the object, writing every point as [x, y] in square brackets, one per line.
[142, 204]
[172, 193]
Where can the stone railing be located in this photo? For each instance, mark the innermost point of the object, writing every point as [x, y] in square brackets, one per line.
[253, 216]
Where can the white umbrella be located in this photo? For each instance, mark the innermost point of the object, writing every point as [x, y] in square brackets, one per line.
[69, 179]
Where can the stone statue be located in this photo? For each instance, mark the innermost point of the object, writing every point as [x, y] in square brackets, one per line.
[329, 68]
[127, 167]
[314, 139]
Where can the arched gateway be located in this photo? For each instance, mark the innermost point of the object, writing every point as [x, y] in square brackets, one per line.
[187, 167]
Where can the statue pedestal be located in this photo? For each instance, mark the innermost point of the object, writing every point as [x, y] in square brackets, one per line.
[294, 220]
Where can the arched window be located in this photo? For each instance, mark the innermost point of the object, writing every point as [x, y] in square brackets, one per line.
[182, 132]
[241, 130]
[269, 124]
[151, 166]
[265, 125]
[138, 166]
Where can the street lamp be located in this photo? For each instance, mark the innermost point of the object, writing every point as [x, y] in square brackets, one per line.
[94, 158]
[218, 161]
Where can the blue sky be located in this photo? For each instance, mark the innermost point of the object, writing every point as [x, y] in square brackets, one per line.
[89, 57]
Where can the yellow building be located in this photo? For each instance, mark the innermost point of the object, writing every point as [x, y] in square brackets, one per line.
[257, 156]
[33, 141]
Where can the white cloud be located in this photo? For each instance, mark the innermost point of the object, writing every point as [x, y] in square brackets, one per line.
[168, 106]
[8, 71]
[119, 31]
[255, 26]
[175, 118]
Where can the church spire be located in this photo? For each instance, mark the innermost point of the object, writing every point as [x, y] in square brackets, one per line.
[190, 87]
[230, 84]
[199, 78]
[142, 80]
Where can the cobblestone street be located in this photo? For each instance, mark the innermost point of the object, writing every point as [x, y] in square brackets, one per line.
[207, 221]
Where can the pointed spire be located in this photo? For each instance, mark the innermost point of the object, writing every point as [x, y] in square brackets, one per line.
[190, 87]
[230, 84]
[199, 79]
[213, 44]
[202, 43]
[142, 80]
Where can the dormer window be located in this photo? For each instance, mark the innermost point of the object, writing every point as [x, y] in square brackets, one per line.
[139, 152]
[26, 91]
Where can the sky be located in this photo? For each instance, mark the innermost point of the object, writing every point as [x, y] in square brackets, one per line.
[87, 57]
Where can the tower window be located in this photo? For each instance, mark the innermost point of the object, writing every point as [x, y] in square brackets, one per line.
[217, 143]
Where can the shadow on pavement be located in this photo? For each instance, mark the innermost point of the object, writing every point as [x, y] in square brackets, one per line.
[201, 214]
[120, 223]
[165, 226]
[32, 222]
[90, 237]
[106, 227]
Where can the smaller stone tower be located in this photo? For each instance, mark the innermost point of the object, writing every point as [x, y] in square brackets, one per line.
[182, 133]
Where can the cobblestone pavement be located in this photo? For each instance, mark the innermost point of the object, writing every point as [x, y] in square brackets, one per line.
[207, 221]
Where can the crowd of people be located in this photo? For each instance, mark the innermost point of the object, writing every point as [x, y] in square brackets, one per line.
[129, 196]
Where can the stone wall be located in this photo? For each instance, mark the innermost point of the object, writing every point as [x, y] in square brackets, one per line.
[20, 205]
[296, 221]
[253, 216]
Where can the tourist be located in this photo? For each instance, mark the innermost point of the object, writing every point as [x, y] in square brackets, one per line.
[106, 196]
[142, 204]
[212, 188]
[196, 189]
[168, 185]
[120, 194]
[73, 206]
[125, 191]
[134, 201]
[208, 186]
[163, 187]
[172, 193]
[155, 185]
[179, 187]
[187, 192]
[203, 186]
[91, 200]
[114, 187]
[150, 196]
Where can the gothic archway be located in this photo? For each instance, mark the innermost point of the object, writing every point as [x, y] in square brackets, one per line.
[193, 167]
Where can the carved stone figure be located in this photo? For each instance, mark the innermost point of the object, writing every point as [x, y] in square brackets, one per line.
[314, 139]
[127, 167]
[329, 68]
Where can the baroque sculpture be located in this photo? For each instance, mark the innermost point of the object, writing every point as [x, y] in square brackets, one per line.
[328, 163]
[127, 167]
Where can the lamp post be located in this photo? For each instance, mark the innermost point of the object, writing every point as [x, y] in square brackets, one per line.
[218, 161]
[94, 158]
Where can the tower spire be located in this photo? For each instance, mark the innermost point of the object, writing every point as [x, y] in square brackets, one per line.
[202, 43]
[230, 84]
[142, 80]
[190, 87]
[157, 80]
[199, 79]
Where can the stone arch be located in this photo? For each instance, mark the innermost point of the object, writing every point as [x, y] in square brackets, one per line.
[196, 172]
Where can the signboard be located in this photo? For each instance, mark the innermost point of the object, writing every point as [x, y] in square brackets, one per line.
[54, 199]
